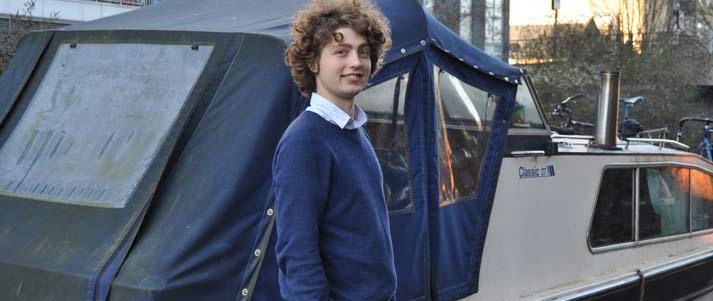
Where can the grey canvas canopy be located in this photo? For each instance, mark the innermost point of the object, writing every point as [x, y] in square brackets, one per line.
[136, 154]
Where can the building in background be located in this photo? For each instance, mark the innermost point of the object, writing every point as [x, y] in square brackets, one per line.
[483, 23]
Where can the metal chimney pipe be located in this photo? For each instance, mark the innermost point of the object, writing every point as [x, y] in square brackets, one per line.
[608, 114]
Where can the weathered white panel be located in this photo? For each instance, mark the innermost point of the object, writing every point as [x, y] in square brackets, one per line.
[96, 121]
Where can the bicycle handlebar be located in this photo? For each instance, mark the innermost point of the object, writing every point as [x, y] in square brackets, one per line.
[679, 132]
[700, 119]
[571, 98]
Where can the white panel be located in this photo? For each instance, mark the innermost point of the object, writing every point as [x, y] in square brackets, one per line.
[96, 121]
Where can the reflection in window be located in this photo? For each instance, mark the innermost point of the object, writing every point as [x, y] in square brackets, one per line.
[464, 116]
[384, 103]
[613, 216]
[663, 201]
[94, 125]
[701, 200]
[525, 114]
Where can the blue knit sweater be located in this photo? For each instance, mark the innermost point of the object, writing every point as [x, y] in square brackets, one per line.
[333, 239]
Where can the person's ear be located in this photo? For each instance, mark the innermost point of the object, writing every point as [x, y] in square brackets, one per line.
[313, 66]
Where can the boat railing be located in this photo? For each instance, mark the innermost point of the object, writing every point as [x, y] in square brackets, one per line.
[569, 141]
[659, 133]
[656, 141]
[577, 137]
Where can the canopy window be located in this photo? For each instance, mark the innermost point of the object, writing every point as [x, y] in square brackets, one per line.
[384, 104]
[95, 123]
[464, 116]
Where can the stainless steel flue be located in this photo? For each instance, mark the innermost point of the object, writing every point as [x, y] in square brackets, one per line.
[608, 113]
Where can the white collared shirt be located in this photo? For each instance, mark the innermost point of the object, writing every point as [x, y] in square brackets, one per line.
[332, 113]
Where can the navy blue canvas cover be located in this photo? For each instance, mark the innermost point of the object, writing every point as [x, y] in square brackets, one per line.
[207, 230]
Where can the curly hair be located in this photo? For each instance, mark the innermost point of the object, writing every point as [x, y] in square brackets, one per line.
[314, 27]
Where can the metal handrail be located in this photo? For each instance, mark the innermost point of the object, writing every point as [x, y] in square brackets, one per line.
[659, 133]
[655, 140]
[581, 137]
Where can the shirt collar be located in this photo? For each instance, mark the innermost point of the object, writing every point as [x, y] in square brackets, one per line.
[332, 113]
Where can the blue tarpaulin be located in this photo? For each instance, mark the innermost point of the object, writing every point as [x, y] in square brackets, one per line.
[199, 225]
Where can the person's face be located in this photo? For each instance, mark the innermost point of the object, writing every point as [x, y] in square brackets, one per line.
[343, 67]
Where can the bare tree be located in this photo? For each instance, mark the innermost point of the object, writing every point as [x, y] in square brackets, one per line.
[651, 63]
[21, 22]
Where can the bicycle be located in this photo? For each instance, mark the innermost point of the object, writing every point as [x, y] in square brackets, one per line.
[704, 148]
[629, 127]
[569, 126]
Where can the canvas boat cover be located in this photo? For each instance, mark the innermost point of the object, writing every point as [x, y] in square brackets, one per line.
[136, 155]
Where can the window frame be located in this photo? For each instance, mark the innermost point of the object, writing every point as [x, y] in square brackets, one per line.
[690, 201]
[636, 186]
[634, 211]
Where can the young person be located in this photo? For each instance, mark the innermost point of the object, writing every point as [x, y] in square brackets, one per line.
[333, 239]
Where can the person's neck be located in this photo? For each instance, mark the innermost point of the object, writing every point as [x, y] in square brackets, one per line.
[346, 105]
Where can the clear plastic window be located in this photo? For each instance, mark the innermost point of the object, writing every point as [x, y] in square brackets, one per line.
[464, 117]
[97, 120]
[613, 220]
[701, 200]
[663, 201]
[384, 104]
[525, 114]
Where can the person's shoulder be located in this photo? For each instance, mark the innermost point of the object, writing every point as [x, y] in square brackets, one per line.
[307, 130]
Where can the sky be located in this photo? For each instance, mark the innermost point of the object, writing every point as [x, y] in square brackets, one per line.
[526, 12]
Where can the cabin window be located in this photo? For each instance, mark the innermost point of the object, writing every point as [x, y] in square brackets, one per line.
[463, 118]
[525, 114]
[385, 103]
[663, 204]
[95, 124]
[613, 216]
[701, 200]
[663, 201]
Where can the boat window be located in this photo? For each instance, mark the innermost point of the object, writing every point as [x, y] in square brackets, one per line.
[701, 200]
[663, 201]
[525, 114]
[384, 103]
[613, 216]
[463, 117]
[84, 138]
